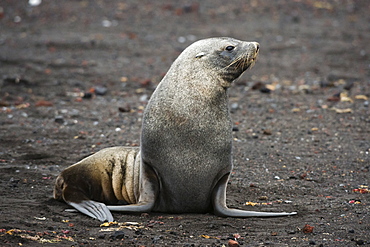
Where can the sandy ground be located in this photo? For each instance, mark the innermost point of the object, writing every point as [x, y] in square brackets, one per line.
[76, 76]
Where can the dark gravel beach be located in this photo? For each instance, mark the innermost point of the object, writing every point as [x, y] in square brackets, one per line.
[76, 75]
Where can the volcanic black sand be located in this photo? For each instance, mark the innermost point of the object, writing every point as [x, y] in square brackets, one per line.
[76, 76]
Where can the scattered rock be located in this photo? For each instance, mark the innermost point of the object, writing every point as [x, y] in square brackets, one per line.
[100, 90]
[59, 119]
[87, 95]
[265, 90]
[146, 82]
[360, 242]
[16, 80]
[117, 235]
[125, 108]
[233, 243]
[143, 98]
[258, 86]
[44, 103]
[156, 239]
[234, 107]
[267, 132]
[307, 229]
[334, 98]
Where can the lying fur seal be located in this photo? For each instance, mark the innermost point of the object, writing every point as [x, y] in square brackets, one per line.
[186, 140]
[109, 176]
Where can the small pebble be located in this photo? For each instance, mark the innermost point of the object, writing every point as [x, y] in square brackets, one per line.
[99, 90]
[181, 39]
[106, 23]
[312, 242]
[233, 243]
[17, 19]
[360, 242]
[126, 108]
[267, 132]
[118, 235]
[156, 239]
[87, 95]
[265, 90]
[307, 229]
[59, 119]
[258, 85]
[234, 107]
[143, 98]
[34, 3]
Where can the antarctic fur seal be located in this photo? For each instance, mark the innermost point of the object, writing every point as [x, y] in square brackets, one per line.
[186, 140]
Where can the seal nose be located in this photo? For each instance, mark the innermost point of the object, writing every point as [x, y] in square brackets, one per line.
[257, 46]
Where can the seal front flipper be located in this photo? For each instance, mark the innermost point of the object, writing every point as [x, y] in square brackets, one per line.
[220, 208]
[93, 209]
[148, 191]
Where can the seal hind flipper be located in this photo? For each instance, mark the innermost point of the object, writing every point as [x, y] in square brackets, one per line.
[220, 208]
[93, 209]
[77, 198]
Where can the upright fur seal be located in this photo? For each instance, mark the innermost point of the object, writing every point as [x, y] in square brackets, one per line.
[186, 139]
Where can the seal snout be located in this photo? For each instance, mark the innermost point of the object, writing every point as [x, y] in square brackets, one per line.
[256, 46]
[254, 55]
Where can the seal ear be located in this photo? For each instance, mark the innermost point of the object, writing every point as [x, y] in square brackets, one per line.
[200, 54]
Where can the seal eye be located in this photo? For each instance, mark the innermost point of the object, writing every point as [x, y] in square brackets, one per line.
[229, 48]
